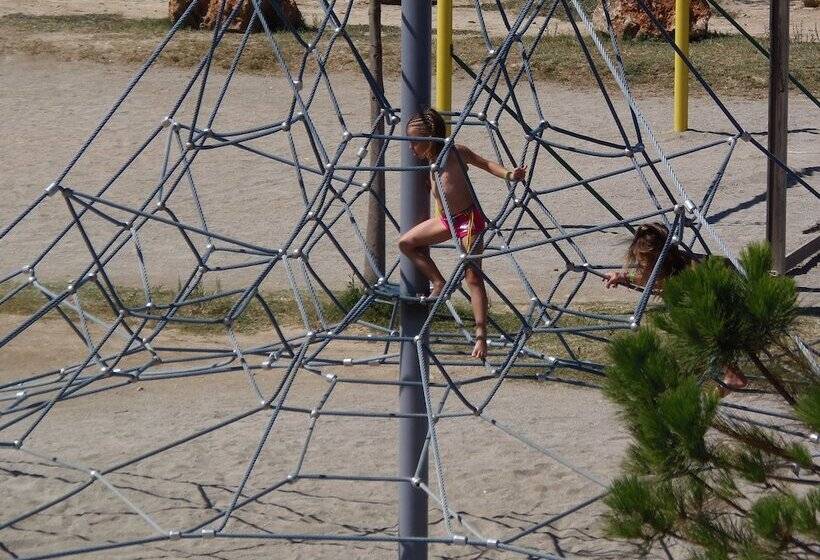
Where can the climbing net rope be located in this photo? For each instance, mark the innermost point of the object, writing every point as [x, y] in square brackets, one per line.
[316, 153]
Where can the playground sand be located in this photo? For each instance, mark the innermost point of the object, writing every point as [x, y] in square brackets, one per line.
[543, 448]
[503, 485]
[49, 109]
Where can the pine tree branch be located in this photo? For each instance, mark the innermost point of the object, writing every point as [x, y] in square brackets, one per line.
[718, 494]
[744, 514]
[794, 358]
[771, 378]
[767, 446]
[789, 366]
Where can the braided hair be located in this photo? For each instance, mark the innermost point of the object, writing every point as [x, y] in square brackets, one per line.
[430, 124]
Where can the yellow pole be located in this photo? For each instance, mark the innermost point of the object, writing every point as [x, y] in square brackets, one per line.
[444, 62]
[681, 71]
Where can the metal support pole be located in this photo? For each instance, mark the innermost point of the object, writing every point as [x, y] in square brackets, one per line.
[681, 71]
[778, 131]
[416, 35]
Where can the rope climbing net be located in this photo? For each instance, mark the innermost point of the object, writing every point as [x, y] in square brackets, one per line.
[314, 157]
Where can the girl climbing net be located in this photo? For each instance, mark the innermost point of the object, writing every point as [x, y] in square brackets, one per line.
[643, 253]
[467, 218]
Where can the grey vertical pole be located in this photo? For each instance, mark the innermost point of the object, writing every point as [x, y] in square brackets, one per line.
[778, 131]
[415, 207]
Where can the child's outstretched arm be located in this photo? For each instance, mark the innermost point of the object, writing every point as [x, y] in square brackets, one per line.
[472, 158]
[617, 278]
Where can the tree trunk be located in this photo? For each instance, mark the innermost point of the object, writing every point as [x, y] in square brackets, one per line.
[375, 209]
[629, 20]
[206, 13]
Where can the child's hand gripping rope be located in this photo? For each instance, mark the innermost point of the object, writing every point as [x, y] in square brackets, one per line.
[467, 219]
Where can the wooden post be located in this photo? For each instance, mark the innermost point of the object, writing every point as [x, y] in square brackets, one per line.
[375, 209]
[778, 131]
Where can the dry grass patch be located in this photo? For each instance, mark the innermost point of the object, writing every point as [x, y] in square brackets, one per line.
[728, 62]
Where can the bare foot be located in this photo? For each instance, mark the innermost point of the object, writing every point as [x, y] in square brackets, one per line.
[480, 348]
[733, 379]
[436, 290]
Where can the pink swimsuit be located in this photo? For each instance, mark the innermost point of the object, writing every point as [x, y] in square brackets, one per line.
[469, 223]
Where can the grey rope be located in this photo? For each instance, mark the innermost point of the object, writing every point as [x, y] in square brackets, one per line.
[330, 184]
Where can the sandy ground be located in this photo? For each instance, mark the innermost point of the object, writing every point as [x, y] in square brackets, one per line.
[753, 15]
[541, 449]
[257, 200]
[499, 484]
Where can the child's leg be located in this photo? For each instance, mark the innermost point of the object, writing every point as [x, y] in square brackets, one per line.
[733, 378]
[414, 244]
[478, 299]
